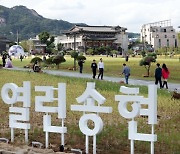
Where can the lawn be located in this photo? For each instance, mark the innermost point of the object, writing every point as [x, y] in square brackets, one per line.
[113, 66]
[114, 137]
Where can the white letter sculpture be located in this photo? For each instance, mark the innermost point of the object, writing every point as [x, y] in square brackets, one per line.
[19, 94]
[137, 109]
[61, 109]
[88, 99]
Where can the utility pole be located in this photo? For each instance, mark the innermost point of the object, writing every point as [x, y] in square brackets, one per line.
[17, 39]
[74, 41]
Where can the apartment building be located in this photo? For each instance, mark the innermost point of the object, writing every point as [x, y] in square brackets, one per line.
[159, 34]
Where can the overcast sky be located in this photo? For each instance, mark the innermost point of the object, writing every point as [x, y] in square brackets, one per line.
[131, 14]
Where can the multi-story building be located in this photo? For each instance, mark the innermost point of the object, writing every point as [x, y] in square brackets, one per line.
[36, 47]
[83, 37]
[159, 34]
[4, 44]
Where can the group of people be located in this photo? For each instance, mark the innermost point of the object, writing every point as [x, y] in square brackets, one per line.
[94, 67]
[100, 67]
[161, 73]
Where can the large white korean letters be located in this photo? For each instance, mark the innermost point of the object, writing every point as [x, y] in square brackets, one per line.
[88, 100]
[11, 94]
[137, 109]
[60, 109]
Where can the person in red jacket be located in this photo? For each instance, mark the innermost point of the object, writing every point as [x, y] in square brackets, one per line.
[165, 75]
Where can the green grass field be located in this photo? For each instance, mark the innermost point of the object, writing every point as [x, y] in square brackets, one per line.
[114, 137]
[113, 66]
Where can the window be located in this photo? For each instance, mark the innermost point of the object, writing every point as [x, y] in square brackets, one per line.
[165, 36]
[164, 30]
[159, 43]
[175, 43]
[167, 42]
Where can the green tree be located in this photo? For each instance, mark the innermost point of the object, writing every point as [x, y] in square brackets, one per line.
[90, 51]
[74, 55]
[81, 57]
[60, 47]
[48, 40]
[25, 45]
[36, 59]
[147, 60]
[58, 60]
[44, 36]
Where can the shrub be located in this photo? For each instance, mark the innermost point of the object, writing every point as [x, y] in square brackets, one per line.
[36, 59]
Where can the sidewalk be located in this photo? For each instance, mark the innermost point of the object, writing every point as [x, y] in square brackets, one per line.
[171, 86]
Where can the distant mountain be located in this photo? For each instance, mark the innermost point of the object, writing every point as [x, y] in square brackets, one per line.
[133, 35]
[28, 23]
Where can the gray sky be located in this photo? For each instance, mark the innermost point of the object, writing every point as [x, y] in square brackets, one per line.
[131, 14]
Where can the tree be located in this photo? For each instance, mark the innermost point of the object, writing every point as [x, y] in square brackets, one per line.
[55, 60]
[58, 60]
[48, 40]
[60, 47]
[25, 45]
[36, 59]
[90, 51]
[44, 36]
[81, 57]
[74, 55]
[147, 60]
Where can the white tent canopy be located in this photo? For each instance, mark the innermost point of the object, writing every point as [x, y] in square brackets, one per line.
[16, 50]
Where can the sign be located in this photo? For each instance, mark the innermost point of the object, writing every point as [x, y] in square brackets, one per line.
[90, 103]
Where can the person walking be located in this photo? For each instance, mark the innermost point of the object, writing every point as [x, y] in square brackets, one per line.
[101, 68]
[126, 72]
[165, 75]
[21, 57]
[4, 59]
[80, 63]
[158, 75]
[94, 68]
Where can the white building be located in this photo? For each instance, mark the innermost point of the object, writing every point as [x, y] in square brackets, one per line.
[159, 34]
[36, 46]
[81, 37]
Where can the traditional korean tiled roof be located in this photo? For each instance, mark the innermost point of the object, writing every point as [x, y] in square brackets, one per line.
[111, 29]
[4, 40]
[101, 38]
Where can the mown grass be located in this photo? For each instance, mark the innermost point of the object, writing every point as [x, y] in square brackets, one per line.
[114, 137]
[113, 66]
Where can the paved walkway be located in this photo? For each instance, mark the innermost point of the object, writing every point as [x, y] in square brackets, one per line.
[171, 86]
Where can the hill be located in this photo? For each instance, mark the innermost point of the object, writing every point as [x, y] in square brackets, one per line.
[28, 23]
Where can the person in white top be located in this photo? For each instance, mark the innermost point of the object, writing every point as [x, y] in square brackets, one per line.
[101, 69]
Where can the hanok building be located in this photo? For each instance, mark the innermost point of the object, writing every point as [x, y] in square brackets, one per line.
[4, 44]
[159, 34]
[83, 37]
